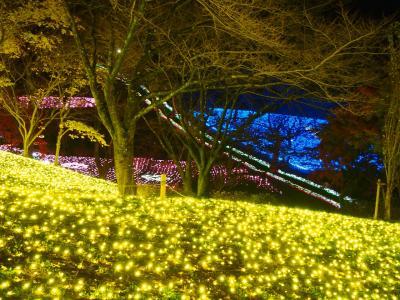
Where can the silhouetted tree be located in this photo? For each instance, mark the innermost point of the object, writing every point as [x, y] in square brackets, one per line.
[167, 45]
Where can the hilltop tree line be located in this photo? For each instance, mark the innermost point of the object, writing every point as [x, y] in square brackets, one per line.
[112, 49]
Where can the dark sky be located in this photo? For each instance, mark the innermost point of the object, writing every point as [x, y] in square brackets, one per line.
[376, 8]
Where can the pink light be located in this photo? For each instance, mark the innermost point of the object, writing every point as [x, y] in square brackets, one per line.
[55, 102]
[147, 170]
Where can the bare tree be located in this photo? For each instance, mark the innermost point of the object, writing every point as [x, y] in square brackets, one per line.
[30, 115]
[122, 29]
[284, 138]
[166, 45]
[171, 144]
[203, 124]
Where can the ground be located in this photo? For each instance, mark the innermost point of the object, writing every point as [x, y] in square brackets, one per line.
[68, 236]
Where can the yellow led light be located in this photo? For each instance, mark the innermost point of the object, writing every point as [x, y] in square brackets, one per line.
[67, 225]
[4, 284]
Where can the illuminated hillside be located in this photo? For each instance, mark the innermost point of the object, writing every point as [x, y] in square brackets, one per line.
[67, 236]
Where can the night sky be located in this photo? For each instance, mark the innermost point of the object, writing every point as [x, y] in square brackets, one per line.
[376, 8]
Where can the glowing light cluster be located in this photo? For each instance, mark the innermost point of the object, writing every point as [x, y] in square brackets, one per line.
[68, 236]
[249, 160]
[148, 170]
[300, 143]
[55, 102]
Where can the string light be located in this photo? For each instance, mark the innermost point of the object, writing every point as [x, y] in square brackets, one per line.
[260, 165]
[85, 242]
[55, 102]
[148, 170]
[251, 162]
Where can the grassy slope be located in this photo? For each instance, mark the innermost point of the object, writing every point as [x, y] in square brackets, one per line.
[69, 236]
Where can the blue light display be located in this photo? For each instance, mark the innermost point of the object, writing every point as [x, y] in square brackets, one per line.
[290, 140]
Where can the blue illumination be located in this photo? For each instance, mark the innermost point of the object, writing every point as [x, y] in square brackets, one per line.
[249, 160]
[297, 134]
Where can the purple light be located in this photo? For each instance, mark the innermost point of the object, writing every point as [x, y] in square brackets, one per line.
[148, 170]
[55, 102]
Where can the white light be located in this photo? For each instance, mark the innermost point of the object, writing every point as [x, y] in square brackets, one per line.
[151, 177]
[75, 165]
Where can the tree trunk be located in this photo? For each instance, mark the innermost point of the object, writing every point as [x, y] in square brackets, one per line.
[102, 166]
[26, 148]
[390, 186]
[187, 179]
[391, 142]
[276, 151]
[388, 201]
[203, 184]
[123, 163]
[58, 147]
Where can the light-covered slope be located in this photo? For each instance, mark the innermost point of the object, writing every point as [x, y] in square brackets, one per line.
[69, 236]
[22, 173]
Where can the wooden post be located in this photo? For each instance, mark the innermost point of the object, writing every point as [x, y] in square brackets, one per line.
[163, 186]
[378, 193]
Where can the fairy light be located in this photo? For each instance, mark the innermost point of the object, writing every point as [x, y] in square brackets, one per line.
[249, 161]
[148, 170]
[55, 102]
[84, 241]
